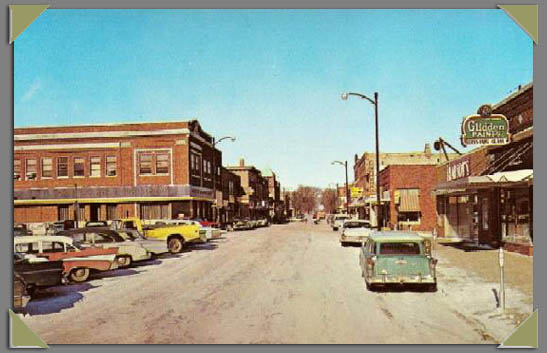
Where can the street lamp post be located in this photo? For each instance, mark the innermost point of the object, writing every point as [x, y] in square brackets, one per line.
[215, 170]
[375, 103]
[345, 164]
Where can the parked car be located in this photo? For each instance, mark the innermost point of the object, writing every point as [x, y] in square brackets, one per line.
[175, 236]
[210, 232]
[338, 221]
[205, 223]
[77, 262]
[38, 272]
[402, 258]
[354, 231]
[21, 230]
[20, 294]
[240, 224]
[101, 237]
[96, 224]
[55, 227]
[154, 246]
[263, 222]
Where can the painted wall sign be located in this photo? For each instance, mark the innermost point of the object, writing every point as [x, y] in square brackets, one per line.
[458, 169]
[356, 192]
[485, 130]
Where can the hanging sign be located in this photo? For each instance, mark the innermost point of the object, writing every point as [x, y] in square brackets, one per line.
[485, 128]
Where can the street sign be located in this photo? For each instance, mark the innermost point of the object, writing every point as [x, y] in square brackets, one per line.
[356, 192]
[485, 128]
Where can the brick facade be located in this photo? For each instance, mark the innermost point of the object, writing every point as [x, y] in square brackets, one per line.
[421, 177]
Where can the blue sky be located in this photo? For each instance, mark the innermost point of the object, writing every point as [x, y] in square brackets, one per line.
[273, 78]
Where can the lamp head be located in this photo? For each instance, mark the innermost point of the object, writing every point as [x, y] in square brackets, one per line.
[344, 96]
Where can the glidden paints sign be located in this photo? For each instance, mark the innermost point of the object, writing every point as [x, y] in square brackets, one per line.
[485, 128]
[458, 169]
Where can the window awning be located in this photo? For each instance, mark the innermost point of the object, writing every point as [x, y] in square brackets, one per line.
[507, 179]
[410, 200]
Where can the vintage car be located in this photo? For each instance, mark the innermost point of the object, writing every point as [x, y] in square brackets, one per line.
[239, 224]
[176, 236]
[21, 230]
[205, 223]
[38, 272]
[96, 224]
[210, 232]
[401, 258]
[263, 222]
[77, 262]
[338, 221]
[20, 294]
[354, 231]
[101, 237]
[153, 246]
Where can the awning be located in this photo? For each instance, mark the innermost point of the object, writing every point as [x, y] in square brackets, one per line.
[372, 199]
[410, 200]
[502, 179]
[358, 202]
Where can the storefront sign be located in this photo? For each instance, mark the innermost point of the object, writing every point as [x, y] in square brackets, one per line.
[356, 192]
[485, 128]
[458, 169]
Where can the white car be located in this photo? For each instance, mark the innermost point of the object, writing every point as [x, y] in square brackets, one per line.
[355, 231]
[338, 221]
[210, 232]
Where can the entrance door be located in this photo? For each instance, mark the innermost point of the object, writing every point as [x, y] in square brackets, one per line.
[94, 212]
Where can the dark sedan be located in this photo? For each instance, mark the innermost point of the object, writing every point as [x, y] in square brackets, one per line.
[38, 272]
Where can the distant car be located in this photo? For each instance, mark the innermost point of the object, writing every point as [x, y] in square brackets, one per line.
[20, 294]
[354, 231]
[338, 221]
[210, 232]
[402, 258]
[96, 224]
[263, 222]
[205, 223]
[38, 272]
[21, 230]
[100, 237]
[239, 224]
[77, 262]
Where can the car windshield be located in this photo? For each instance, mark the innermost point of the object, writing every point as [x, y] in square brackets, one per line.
[356, 225]
[342, 217]
[400, 248]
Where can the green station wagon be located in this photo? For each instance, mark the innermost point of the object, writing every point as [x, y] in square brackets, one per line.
[397, 258]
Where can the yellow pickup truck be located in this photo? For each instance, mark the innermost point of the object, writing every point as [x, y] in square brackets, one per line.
[176, 236]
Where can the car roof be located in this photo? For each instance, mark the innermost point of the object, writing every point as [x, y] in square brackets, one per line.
[35, 238]
[105, 230]
[357, 220]
[394, 236]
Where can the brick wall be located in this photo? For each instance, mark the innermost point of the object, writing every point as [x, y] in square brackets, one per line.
[420, 177]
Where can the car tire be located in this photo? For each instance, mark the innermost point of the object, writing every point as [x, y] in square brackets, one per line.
[334, 229]
[343, 244]
[79, 275]
[432, 287]
[175, 245]
[370, 286]
[124, 261]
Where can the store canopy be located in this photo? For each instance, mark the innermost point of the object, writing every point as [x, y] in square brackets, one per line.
[372, 199]
[410, 200]
[512, 178]
[358, 202]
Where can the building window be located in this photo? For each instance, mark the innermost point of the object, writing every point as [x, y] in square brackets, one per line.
[95, 166]
[145, 164]
[111, 212]
[162, 163]
[16, 169]
[63, 212]
[205, 166]
[79, 166]
[154, 211]
[111, 165]
[47, 168]
[30, 169]
[62, 167]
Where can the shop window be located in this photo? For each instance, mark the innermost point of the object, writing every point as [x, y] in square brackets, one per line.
[111, 165]
[63, 212]
[31, 169]
[408, 216]
[47, 167]
[111, 212]
[16, 169]
[62, 167]
[162, 163]
[154, 211]
[95, 166]
[79, 166]
[145, 164]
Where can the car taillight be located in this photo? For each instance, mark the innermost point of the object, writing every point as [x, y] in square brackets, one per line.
[371, 261]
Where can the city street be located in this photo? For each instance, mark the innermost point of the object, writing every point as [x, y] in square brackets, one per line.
[290, 283]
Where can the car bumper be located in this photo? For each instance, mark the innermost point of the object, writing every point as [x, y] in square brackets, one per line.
[357, 240]
[402, 279]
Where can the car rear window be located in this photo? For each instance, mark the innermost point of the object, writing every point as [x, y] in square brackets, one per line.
[356, 225]
[409, 248]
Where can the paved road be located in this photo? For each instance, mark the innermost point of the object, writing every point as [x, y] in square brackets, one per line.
[283, 284]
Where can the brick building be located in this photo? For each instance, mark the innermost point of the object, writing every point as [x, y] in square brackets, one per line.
[254, 201]
[156, 170]
[231, 192]
[410, 203]
[365, 175]
[486, 196]
[276, 207]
